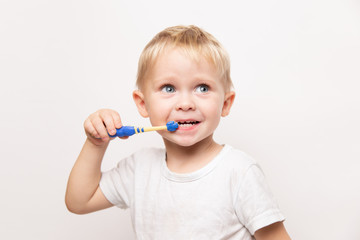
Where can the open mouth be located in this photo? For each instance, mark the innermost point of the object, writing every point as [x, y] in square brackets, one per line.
[188, 123]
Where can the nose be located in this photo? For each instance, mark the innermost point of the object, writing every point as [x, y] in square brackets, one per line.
[185, 103]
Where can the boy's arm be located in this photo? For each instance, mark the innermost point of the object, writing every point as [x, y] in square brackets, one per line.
[275, 231]
[83, 194]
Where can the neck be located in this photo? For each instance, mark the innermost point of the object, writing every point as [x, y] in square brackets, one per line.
[185, 159]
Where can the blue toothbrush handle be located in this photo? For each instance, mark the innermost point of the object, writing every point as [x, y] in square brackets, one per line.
[124, 131]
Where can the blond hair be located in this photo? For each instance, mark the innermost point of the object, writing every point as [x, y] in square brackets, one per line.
[195, 42]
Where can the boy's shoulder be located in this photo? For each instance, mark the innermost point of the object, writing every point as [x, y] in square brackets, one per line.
[236, 163]
[238, 157]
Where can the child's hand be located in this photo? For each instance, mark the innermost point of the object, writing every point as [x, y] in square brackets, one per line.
[100, 123]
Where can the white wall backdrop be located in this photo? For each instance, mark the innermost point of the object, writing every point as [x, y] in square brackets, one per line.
[296, 69]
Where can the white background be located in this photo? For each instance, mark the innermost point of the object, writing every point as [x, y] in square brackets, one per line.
[296, 70]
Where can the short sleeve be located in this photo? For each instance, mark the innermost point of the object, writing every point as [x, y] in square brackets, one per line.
[117, 183]
[254, 204]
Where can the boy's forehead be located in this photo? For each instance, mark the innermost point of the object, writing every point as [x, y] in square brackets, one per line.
[180, 61]
[178, 58]
[189, 52]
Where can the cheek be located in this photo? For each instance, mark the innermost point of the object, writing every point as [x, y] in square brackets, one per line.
[158, 109]
[212, 108]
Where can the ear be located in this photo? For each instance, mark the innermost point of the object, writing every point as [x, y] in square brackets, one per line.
[228, 101]
[139, 100]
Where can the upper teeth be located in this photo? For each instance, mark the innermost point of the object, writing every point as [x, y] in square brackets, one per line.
[188, 122]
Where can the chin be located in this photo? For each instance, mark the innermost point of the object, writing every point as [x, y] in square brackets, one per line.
[180, 142]
[185, 142]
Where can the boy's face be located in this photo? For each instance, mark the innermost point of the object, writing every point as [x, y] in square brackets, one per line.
[191, 93]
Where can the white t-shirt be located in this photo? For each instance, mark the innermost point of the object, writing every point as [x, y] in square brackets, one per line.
[227, 199]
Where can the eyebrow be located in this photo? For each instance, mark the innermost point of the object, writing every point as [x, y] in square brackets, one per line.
[173, 78]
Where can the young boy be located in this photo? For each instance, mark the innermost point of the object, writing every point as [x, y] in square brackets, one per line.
[195, 188]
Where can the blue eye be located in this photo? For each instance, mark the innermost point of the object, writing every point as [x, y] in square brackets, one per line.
[202, 88]
[168, 89]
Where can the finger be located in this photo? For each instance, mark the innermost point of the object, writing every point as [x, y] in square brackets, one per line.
[100, 128]
[117, 120]
[109, 124]
[90, 130]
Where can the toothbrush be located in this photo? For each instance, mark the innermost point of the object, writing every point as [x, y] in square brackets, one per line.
[131, 130]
